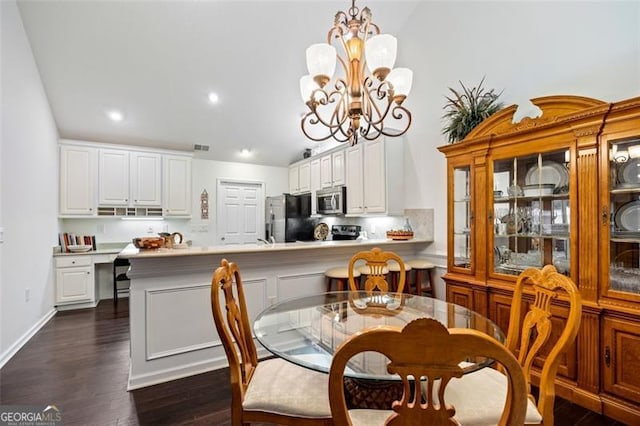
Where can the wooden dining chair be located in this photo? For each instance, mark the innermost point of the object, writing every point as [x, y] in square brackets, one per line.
[424, 350]
[527, 335]
[375, 274]
[270, 391]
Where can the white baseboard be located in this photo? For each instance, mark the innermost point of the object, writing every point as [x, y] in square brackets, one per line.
[9, 353]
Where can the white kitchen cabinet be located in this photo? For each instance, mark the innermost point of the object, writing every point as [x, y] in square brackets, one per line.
[375, 190]
[145, 174]
[314, 183]
[113, 177]
[337, 167]
[332, 169]
[326, 176]
[176, 184]
[354, 179]
[304, 177]
[75, 280]
[374, 177]
[78, 175]
[293, 179]
[299, 178]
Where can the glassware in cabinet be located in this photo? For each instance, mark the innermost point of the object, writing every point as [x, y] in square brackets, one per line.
[624, 199]
[531, 212]
[462, 217]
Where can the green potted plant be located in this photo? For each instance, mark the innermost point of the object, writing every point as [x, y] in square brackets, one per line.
[468, 108]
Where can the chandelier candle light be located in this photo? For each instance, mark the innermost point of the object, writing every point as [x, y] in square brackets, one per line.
[355, 105]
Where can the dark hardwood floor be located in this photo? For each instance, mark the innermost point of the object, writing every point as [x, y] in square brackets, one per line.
[79, 361]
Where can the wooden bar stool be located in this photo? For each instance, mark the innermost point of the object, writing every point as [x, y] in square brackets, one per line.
[422, 268]
[340, 275]
[394, 272]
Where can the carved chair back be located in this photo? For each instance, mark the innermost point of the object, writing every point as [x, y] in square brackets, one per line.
[376, 279]
[435, 360]
[233, 328]
[528, 335]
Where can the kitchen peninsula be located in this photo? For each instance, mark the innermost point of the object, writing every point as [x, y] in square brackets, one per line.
[172, 331]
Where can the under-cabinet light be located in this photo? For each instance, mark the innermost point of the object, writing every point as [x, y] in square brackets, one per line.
[142, 218]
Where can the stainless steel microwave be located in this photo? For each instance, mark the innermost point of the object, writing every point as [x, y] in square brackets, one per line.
[332, 200]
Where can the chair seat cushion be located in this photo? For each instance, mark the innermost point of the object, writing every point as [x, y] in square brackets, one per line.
[280, 387]
[361, 417]
[395, 267]
[340, 272]
[479, 398]
[420, 264]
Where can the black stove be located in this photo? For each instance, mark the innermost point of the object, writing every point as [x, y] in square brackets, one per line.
[345, 232]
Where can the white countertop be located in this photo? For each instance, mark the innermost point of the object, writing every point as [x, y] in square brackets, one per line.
[131, 252]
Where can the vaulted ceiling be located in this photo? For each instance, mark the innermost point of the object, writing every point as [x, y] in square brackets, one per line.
[157, 61]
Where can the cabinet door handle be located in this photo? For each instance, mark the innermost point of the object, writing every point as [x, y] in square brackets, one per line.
[88, 273]
[607, 356]
[605, 215]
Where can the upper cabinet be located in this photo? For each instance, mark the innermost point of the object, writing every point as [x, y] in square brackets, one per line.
[562, 189]
[299, 178]
[620, 208]
[102, 180]
[332, 169]
[113, 177]
[145, 178]
[78, 175]
[314, 182]
[375, 177]
[129, 178]
[177, 185]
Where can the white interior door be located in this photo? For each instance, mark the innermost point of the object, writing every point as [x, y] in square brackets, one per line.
[240, 212]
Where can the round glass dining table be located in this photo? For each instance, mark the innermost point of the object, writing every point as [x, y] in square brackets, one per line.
[307, 330]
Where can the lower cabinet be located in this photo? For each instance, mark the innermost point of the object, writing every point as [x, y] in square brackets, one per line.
[74, 280]
[621, 352]
[604, 377]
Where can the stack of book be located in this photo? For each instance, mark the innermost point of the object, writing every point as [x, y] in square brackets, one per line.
[67, 239]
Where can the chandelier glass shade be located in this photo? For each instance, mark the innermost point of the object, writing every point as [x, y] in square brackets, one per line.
[355, 103]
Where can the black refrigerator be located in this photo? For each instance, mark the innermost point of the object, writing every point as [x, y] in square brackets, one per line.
[287, 218]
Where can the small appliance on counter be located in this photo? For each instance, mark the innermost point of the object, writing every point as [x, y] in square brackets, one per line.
[287, 218]
[345, 232]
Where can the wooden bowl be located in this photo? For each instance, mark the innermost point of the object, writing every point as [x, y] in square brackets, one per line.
[400, 235]
[148, 243]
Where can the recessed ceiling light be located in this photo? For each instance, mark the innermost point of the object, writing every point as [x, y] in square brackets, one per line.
[245, 152]
[115, 115]
[213, 97]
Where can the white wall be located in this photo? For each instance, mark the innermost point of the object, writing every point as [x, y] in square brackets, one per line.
[28, 190]
[529, 49]
[205, 174]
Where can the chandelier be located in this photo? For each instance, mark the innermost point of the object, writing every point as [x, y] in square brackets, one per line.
[356, 103]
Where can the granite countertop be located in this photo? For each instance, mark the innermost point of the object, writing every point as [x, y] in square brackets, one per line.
[131, 252]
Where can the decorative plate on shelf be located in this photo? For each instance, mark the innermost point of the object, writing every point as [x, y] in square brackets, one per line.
[550, 172]
[321, 231]
[627, 217]
[630, 173]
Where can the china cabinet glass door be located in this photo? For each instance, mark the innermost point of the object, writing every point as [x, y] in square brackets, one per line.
[624, 199]
[531, 213]
[462, 217]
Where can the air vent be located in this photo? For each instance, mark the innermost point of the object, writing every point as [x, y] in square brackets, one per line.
[198, 147]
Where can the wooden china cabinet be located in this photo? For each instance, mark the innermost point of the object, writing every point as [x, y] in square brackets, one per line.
[561, 189]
